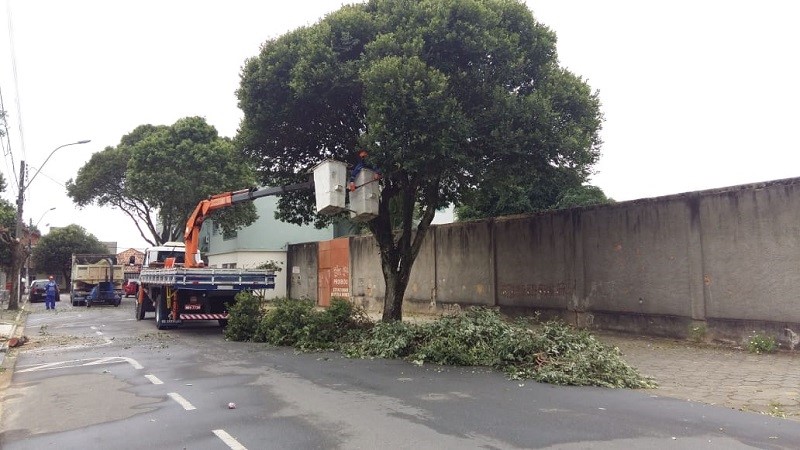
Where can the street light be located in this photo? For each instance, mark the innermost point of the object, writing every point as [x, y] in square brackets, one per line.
[16, 254]
[28, 257]
[40, 218]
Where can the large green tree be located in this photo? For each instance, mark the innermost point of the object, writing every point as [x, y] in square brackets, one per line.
[158, 174]
[447, 96]
[53, 253]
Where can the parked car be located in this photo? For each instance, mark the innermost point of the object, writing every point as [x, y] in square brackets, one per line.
[131, 287]
[37, 291]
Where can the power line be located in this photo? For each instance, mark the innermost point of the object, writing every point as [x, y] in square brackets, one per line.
[16, 80]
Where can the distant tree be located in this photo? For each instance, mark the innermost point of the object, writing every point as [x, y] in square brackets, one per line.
[158, 174]
[583, 196]
[53, 253]
[521, 195]
[445, 95]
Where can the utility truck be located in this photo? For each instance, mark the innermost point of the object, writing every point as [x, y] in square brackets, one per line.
[177, 285]
[96, 278]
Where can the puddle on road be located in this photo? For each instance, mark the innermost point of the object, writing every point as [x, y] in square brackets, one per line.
[61, 403]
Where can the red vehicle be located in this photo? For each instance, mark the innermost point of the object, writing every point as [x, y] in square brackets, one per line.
[131, 287]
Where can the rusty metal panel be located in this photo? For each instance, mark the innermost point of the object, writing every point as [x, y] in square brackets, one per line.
[334, 270]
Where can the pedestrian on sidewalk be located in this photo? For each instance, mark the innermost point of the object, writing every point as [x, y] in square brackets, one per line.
[51, 293]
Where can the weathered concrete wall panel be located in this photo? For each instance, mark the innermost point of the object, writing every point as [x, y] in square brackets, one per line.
[465, 263]
[365, 268]
[635, 258]
[301, 263]
[751, 253]
[535, 260]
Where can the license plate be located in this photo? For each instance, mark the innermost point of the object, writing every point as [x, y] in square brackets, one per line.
[193, 307]
[225, 287]
[172, 322]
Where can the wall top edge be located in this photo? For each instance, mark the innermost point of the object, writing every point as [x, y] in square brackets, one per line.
[641, 201]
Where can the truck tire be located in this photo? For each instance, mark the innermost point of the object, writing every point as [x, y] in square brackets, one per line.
[161, 311]
[223, 322]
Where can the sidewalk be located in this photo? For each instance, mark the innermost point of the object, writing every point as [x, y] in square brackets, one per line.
[716, 375]
[8, 326]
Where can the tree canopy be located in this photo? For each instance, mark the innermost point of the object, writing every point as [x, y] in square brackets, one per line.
[158, 174]
[8, 221]
[53, 253]
[446, 95]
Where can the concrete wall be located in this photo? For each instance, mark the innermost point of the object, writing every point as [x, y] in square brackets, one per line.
[301, 270]
[724, 260]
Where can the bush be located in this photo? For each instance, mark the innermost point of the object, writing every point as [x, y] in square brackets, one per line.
[244, 317]
[760, 343]
[284, 323]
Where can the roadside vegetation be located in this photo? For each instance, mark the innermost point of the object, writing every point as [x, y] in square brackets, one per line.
[550, 352]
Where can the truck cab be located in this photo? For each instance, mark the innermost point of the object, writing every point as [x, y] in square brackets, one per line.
[168, 253]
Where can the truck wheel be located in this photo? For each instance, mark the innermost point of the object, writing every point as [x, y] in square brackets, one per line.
[223, 322]
[161, 312]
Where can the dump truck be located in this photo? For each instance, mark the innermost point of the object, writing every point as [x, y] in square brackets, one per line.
[176, 284]
[96, 279]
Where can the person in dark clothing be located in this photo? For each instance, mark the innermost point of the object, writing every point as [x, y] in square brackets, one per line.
[362, 163]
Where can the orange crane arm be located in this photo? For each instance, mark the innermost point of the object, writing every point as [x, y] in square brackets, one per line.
[191, 235]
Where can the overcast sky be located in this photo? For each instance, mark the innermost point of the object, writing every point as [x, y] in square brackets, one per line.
[696, 94]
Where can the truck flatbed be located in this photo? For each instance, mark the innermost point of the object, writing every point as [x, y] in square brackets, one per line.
[209, 279]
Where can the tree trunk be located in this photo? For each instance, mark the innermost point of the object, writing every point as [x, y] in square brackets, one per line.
[393, 299]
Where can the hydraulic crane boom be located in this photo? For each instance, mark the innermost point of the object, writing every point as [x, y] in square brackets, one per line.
[201, 212]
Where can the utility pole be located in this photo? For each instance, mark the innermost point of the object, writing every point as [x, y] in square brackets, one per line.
[16, 251]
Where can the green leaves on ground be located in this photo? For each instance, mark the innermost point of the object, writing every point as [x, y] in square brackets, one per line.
[550, 352]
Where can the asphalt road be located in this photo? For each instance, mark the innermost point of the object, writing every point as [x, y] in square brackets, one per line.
[98, 379]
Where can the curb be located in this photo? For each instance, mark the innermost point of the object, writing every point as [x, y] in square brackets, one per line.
[4, 346]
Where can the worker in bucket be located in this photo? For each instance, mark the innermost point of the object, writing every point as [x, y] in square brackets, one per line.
[50, 293]
[362, 163]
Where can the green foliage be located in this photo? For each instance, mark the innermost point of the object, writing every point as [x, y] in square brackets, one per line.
[271, 265]
[447, 96]
[760, 343]
[297, 323]
[244, 317]
[284, 323]
[53, 253]
[551, 352]
[158, 174]
[698, 333]
[584, 195]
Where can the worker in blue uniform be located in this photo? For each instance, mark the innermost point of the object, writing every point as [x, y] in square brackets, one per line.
[50, 293]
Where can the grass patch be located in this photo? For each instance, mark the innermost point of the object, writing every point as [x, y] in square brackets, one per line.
[550, 352]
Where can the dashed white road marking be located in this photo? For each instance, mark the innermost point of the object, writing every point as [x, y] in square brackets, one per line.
[153, 379]
[229, 440]
[181, 401]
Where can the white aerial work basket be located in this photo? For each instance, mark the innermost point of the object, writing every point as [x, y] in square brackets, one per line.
[329, 186]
